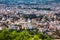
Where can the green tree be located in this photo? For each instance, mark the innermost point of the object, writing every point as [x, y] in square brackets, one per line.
[4, 35]
[23, 35]
[36, 37]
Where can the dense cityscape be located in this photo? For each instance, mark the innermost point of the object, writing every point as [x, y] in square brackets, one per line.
[42, 16]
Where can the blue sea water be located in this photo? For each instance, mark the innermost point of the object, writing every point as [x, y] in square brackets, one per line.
[28, 1]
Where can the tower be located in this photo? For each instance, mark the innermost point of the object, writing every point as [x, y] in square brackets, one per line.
[29, 26]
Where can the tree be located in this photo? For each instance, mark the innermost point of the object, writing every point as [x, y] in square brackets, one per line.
[4, 35]
[22, 35]
[36, 37]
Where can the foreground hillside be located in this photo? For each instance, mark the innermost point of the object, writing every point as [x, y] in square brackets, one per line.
[23, 35]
